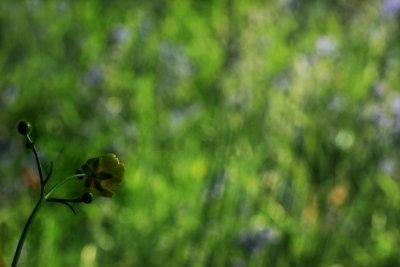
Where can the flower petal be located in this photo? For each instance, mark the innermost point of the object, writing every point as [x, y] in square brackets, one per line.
[104, 174]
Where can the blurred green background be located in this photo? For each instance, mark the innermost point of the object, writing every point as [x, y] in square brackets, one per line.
[254, 133]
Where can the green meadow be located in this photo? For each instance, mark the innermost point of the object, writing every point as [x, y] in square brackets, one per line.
[253, 133]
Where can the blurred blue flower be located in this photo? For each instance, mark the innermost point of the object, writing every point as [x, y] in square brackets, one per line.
[9, 95]
[336, 103]
[94, 77]
[390, 8]
[325, 46]
[118, 35]
[395, 104]
[381, 119]
[255, 240]
[396, 128]
[388, 166]
[181, 118]
[395, 109]
[217, 187]
[379, 90]
[175, 67]
[146, 25]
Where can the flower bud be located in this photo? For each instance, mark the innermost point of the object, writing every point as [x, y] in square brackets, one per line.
[24, 127]
[87, 197]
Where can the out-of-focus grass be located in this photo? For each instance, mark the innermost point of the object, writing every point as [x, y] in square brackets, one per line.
[253, 134]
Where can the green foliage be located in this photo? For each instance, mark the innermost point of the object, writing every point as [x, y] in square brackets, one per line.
[254, 133]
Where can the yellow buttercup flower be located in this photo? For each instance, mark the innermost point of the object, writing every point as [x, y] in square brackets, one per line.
[103, 174]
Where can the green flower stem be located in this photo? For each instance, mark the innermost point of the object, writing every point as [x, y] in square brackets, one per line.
[44, 197]
[26, 230]
[62, 182]
[66, 202]
[35, 210]
[39, 166]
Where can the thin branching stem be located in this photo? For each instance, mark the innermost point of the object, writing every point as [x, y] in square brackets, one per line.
[26, 230]
[35, 210]
[39, 166]
[44, 197]
[62, 182]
